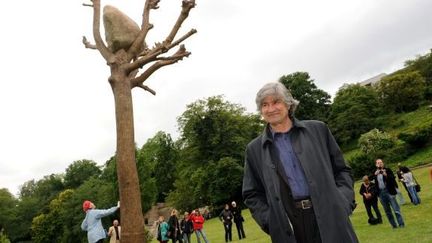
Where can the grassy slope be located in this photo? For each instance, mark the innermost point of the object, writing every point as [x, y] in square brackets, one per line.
[418, 221]
[406, 122]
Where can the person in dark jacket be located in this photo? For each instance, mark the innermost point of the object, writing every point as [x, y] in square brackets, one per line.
[238, 220]
[226, 217]
[385, 180]
[370, 199]
[186, 228]
[296, 182]
[174, 232]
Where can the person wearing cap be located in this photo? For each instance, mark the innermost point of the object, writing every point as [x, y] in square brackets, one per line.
[92, 222]
[238, 220]
[296, 182]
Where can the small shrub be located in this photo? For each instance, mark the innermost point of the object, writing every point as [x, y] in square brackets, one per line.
[375, 141]
[419, 138]
[361, 164]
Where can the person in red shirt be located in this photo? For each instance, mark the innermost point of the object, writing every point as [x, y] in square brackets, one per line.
[198, 222]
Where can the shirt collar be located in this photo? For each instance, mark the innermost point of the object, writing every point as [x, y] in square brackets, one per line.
[268, 135]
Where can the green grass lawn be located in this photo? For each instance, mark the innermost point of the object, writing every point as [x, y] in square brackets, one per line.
[418, 220]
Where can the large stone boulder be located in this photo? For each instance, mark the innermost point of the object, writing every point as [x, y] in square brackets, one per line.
[120, 30]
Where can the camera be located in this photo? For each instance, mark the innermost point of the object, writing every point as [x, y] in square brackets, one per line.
[380, 171]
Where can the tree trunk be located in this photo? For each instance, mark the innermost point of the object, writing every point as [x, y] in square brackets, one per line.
[130, 197]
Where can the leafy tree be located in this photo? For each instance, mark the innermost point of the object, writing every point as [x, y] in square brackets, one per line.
[423, 64]
[79, 171]
[8, 211]
[402, 92]
[34, 200]
[376, 141]
[160, 154]
[224, 188]
[213, 128]
[354, 111]
[49, 227]
[314, 102]
[211, 131]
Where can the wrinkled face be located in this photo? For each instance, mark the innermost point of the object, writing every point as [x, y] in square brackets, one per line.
[274, 110]
[379, 163]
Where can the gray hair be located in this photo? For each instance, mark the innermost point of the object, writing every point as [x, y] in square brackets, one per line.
[277, 90]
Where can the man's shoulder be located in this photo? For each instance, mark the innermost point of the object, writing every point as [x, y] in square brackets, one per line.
[311, 124]
[255, 142]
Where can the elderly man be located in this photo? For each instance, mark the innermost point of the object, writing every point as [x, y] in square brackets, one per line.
[296, 182]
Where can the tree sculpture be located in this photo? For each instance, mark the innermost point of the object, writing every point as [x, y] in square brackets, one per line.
[126, 53]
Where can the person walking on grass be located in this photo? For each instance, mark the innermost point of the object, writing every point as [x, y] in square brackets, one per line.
[226, 218]
[410, 182]
[238, 220]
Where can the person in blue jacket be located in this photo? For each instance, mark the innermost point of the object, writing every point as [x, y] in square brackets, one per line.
[92, 222]
[162, 231]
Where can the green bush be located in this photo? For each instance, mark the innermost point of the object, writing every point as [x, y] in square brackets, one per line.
[361, 164]
[419, 138]
[375, 141]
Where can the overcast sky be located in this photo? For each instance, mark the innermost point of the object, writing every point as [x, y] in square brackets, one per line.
[57, 106]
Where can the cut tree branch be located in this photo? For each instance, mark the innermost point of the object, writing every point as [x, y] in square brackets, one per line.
[187, 5]
[139, 43]
[146, 88]
[87, 44]
[181, 52]
[158, 49]
[103, 49]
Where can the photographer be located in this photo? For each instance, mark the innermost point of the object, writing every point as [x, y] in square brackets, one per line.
[386, 182]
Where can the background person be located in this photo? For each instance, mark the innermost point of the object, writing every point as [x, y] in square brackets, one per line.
[198, 224]
[408, 179]
[162, 230]
[399, 173]
[370, 199]
[226, 218]
[186, 228]
[238, 220]
[296, 182]
[115, 232]
[386, 182]
[174, 227]
[92, 222]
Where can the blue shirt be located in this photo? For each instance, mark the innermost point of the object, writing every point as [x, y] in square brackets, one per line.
[291, 165]
[93, 225]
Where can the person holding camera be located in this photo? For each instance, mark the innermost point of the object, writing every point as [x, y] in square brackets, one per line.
[386, 182]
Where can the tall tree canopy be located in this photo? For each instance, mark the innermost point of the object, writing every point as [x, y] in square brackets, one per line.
[314, 102]
[402, 92]
[214, 134]
[353, 112]
[79, 171]
[160, 154]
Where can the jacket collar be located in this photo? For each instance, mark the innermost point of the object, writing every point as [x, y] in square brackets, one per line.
[267, 136]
